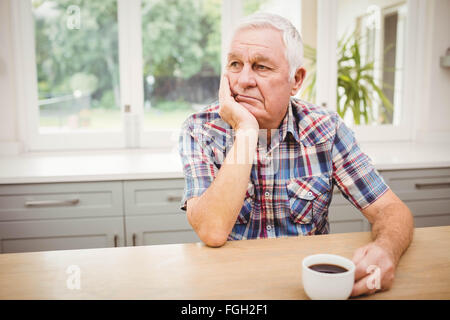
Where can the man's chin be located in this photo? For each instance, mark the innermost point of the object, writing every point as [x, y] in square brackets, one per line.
[256, 111]
[253, 106]
[249, 106]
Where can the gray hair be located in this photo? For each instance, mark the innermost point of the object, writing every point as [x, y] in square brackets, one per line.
[291, 37]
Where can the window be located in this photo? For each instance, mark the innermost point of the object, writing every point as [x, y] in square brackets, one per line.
[94, 65]
[372, 40]
[370, 61]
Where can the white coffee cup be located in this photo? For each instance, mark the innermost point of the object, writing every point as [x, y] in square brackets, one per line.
[328, 286]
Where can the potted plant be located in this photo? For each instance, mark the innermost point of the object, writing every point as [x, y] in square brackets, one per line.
[357, 89]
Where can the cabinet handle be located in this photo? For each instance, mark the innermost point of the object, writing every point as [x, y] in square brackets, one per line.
[134, 239]
[436, 185]
[50, 203]
[116, 240]
[174, 198]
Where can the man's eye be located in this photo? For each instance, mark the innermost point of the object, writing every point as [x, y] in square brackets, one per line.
[234, 64]
[261, 67]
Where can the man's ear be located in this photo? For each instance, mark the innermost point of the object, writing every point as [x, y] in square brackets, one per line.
[298, 80]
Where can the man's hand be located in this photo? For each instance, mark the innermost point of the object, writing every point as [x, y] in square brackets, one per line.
[237, 116]
[375, 269]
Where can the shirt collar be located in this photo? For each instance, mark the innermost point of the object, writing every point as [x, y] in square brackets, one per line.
[289, 124]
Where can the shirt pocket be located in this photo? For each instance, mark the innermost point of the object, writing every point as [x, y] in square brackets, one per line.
[303, 193]
[247, 207]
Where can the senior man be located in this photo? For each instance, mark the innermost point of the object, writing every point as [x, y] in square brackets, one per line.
[241, 184]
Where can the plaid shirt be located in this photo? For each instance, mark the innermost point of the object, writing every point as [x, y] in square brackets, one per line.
[291, 182]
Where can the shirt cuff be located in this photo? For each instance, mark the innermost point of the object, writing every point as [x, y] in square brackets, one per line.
[196, 192]
[373, 195]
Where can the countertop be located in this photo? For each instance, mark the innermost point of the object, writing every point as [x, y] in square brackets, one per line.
[145, 164]
[272, 267]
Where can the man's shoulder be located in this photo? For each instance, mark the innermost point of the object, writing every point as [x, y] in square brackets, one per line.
[316, 124]
[312, 111]
[206, 120]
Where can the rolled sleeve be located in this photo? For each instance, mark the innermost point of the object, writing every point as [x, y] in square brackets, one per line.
[353, 171]
[198, 164]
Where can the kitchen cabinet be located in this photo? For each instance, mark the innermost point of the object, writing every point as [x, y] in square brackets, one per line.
[53, 216]
[426, 192]
[79, 215]
[61, 234]
[153, 215]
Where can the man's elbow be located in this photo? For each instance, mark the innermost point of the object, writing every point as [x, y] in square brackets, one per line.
[211, 234]
[213, 238]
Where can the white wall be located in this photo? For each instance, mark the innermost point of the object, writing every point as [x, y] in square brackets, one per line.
[8, 116]
[438, 106]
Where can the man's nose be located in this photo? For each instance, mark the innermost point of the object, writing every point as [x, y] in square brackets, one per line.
[246, 77]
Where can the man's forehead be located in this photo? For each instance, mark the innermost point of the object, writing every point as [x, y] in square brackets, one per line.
[258, 41]
[252, 55]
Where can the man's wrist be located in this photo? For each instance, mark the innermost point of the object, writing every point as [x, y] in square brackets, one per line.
[387, 246]
[244, 146]
[247, 126]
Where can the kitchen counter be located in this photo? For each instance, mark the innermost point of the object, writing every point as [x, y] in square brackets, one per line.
[272, 267]
[143, 164]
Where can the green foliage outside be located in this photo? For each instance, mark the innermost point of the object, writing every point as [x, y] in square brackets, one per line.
[181, 38]
[251, 6]
[83, 59]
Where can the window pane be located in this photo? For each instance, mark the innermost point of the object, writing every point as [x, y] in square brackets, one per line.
[181, 51]
[371, 37]
[77, 65]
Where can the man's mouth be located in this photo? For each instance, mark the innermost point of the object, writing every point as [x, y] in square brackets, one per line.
[244, 98]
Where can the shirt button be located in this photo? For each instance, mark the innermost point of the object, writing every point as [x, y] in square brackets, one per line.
[267, 194]
[310, 193]
[269, 228]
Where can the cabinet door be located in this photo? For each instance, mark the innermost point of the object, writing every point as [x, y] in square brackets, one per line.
[153, 215]
[60, 200]
[63, 234]
[159, 229]
[159, 196]
[344, 217]
[426, 192]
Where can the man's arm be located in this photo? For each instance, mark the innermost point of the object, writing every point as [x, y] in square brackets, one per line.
[392, 232]
[214, 213]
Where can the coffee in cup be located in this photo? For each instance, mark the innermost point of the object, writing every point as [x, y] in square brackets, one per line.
[328, 277]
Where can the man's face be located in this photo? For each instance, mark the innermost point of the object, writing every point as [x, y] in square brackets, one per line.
[259, 74]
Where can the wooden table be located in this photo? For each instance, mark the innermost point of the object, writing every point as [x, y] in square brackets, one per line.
[252, 269]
